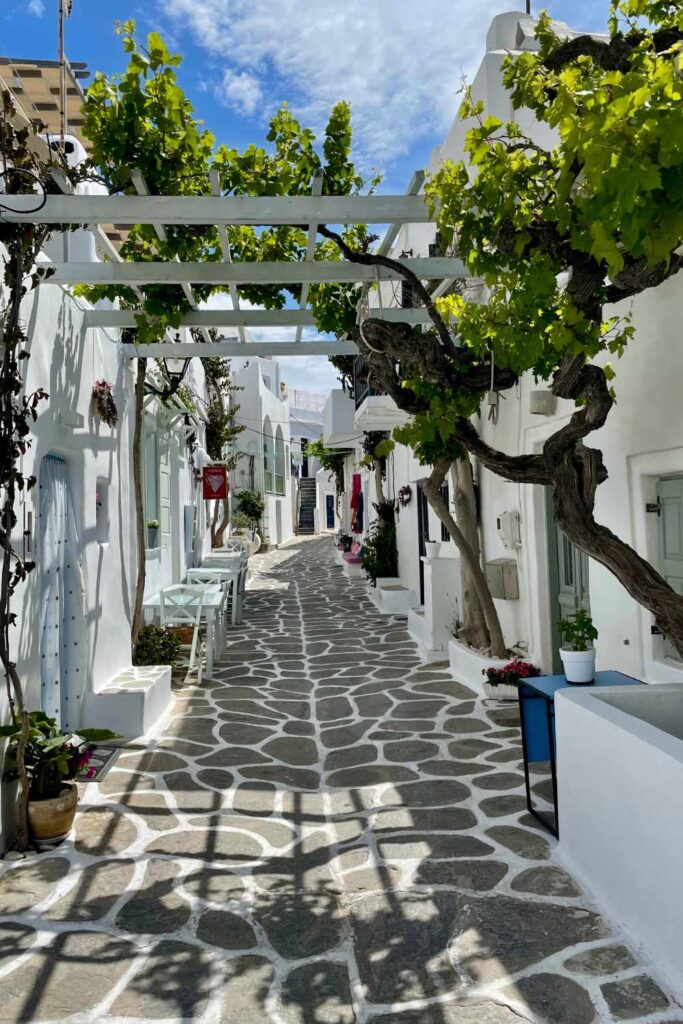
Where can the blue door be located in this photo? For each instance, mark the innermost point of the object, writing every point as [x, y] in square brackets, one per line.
[329, 510]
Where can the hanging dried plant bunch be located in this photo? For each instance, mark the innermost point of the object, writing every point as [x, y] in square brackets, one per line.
[105, 406]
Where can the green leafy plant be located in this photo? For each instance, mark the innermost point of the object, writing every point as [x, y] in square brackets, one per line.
[156, 646]
[51, 757]
[331, 459]
[251, 504]
[152, 524]
[240, 521]
[577, 631]
[379, 552]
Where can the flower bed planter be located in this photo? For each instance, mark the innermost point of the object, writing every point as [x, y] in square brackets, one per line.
[504, 691]
[467, 665]
[50, 820]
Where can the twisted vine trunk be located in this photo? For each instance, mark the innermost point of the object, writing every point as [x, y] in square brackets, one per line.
[432, 489]
[139, 506]
[474, 630]
[9, 377]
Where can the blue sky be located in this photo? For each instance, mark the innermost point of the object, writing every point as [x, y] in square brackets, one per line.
[399, 64]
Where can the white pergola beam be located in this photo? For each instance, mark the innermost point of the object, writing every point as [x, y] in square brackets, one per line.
[232, 274]
[226, 349]
[316, 190]
[215, 179]
[142, 189]
[244, 317]
[214, 210]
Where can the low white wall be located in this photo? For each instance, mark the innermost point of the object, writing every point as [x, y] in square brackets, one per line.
[620, 781]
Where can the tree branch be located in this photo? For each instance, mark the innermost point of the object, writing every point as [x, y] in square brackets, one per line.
[612, 56]
[377, 260]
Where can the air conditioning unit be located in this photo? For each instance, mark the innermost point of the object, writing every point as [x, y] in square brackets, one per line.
[508, 525]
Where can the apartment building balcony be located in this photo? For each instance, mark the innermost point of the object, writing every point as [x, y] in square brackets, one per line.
[373, 409]
[339, 429]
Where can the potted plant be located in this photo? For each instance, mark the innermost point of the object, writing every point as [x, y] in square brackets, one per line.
[152, 532]
[502, 683]
[103, 400]
[252, 505]
[577, 652]
[53, 763]
[159, 646]
[345, 542]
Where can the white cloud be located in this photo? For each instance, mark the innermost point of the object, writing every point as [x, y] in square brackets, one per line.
[36, 7]
[400, 67]
[241, 91]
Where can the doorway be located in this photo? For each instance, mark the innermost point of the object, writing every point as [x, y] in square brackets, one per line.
[670, 540]
[569, 582]
[422, 534]
[63, 645]
[329, 511]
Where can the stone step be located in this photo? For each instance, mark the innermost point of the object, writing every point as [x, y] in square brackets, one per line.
[132, 702]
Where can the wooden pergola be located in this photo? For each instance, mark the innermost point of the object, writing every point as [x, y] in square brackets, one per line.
[392, 211]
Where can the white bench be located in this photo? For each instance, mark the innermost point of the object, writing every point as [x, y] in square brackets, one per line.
[132, 702]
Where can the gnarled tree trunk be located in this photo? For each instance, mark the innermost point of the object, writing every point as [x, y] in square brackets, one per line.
[432, 489]
[473, 631]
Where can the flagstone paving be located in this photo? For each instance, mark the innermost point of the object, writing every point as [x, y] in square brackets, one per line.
[328, 832]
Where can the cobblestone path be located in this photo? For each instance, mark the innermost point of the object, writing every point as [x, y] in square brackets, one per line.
[325, 832]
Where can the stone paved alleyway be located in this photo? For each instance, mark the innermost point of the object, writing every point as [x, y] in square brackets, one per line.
[326, 832]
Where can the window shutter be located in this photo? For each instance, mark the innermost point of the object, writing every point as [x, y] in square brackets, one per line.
[164, 489]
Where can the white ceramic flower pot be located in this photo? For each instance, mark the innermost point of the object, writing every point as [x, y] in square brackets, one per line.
[579, 666]
[432, 548]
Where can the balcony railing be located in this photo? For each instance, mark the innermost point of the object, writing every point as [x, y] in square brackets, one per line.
[361, 387]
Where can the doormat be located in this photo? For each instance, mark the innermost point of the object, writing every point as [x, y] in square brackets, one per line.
[101, 759]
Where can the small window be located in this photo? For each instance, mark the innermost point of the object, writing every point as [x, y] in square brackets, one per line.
[102, 511]
[445, 535]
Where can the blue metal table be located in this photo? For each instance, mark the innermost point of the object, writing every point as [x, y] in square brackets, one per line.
[537, 720]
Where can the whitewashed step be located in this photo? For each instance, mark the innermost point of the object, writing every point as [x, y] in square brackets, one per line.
[392, 597]
[132, 702]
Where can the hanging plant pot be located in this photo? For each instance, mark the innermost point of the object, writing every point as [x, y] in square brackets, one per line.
[50, 820]
[103, 401]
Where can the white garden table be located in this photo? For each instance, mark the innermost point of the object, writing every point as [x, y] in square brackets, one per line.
[228, 578]
[212, 606]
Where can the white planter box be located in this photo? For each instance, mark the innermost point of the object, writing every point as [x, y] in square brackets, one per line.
[620, 779]
[467, 665]
[504, 691]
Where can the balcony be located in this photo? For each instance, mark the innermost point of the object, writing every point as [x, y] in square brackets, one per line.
[374, 411]
[339, 430]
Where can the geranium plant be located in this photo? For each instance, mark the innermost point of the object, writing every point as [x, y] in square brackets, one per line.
[511, 674]
[103, 400]
[51, 757]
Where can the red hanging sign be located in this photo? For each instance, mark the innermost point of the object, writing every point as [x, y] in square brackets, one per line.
[215, 482]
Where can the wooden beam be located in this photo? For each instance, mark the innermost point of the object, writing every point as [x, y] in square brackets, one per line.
[213, 210]
[243, 317]
[291, 272]
[186, 350]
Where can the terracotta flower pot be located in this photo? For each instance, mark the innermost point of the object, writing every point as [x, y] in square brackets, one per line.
[50, 820]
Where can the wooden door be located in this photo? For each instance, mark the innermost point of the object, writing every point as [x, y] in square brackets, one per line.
[569, 579]
[670, 536]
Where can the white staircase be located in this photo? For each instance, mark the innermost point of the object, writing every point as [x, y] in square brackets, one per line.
[307, 502]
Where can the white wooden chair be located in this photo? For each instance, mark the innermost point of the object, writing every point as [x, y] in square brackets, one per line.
[180, 606]
[237, 595]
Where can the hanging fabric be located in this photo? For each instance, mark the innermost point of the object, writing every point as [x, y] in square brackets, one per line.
[63, 646]
[356, 496]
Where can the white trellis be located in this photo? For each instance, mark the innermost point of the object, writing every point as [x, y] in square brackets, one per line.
[392, 211]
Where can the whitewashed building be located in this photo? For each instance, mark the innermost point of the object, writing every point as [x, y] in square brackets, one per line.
[620, 756]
